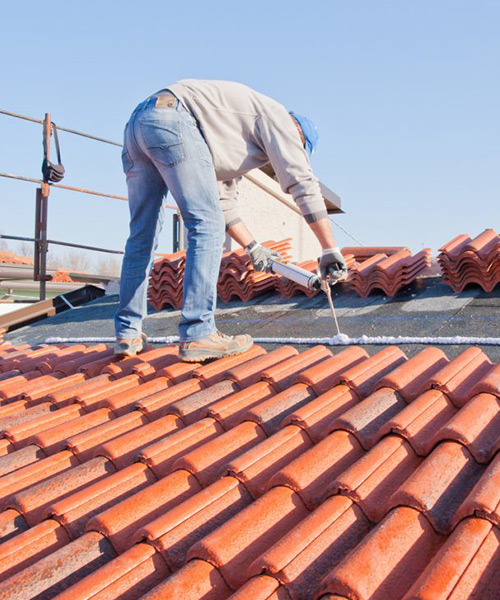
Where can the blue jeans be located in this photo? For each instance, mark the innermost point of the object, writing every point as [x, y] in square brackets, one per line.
[164, 150]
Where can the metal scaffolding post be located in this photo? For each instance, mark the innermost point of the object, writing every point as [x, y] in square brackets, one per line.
[42, 205]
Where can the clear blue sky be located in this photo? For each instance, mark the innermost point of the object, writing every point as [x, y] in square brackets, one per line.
[406, 94]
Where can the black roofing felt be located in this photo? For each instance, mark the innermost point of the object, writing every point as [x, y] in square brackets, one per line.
[427, 308]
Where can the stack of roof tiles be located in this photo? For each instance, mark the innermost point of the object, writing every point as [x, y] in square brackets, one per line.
[361, 253]
[266, 476]
[165, 282]
[288, 288]
[465, 261]
[14, 259]
[388, 273]
[238, 279]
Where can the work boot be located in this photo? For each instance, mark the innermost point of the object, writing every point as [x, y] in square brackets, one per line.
[216, 345]
[130, 346]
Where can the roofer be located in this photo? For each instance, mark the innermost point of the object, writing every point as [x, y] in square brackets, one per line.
[196, 139]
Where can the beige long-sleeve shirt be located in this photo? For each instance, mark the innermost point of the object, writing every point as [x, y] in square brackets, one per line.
[245, 130]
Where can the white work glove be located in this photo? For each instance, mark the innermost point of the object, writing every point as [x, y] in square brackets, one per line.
[260, 255]
[332, 265]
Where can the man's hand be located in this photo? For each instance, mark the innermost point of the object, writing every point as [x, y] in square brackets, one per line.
[260, 255]
[332, 265]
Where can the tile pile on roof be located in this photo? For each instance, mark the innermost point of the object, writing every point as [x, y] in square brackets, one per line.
[61, 277]
[388, 273]
[165, 282]
[466, 261]
[237, 277]
[386, 268]
[266, 476]
[362, 253]
[14, 259]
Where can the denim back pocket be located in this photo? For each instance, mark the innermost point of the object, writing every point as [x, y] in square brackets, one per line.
[163, 138]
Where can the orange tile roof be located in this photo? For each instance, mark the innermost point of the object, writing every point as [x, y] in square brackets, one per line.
[266, 475]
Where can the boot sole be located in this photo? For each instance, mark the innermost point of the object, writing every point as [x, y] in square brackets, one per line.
[200, 356]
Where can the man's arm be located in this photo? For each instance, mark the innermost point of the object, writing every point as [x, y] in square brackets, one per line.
[240, 234]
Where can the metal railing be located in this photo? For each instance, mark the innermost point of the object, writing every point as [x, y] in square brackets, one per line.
[40, 240]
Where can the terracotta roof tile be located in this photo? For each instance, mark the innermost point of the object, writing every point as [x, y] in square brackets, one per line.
[465, 567]
[209, 461]
[317, 415]
[124, 449]
[59, 570]
[439, 485]
[477, 426]
[17, 387]
[365, 419]
[313, 547]
[255, 466]
[228, 411]
[122, 403]
[216, 371]
[157, 404]
[41, 392]
[134, 573]
[309, 474]
[489, 383]
[376, 476]
[121, 521]
[196, 580]
[484, 499]
[324, 375]
[75, 510]
[257, 476]
[87, 443]
[20, 411]
[238, 542]
[32, 545]
[54, 439]
[72, 393]
[34, 473]
[285, 373]
[22, 434]
[261, 587]
[412, 376]
[162, 455]
[90, 399]
[20, 458]
[249, 372]
[155, 359]
[388, 274]
[270, 413]
[69, 367]
[33, 502]
[421, 421]
[5, 447]
[178, 372]
[11, 524]
[191, 408]
[387, 561]
[364, 376]
[458, 378]
[175, 531]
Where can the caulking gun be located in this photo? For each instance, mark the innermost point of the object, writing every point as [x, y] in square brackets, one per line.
[308, 280]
